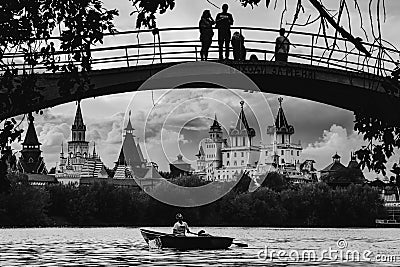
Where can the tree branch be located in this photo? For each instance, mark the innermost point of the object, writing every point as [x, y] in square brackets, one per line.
[357, 43]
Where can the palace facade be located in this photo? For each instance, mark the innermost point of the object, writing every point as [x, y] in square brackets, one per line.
[78, 163]
[226, 159]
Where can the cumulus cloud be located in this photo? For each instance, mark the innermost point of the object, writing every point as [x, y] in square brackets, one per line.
[338, 140]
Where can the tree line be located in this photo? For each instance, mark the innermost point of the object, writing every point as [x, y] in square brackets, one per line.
[276, 203]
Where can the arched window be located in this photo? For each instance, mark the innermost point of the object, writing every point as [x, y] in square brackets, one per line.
[234, 154]
[242, 154]
[227, 163]
[235, 163]
[242, 162]
[244, 140]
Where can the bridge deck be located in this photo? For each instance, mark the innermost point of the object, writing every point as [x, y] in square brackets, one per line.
[314, 72]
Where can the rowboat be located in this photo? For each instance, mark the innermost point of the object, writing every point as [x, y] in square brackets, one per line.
[187, 242]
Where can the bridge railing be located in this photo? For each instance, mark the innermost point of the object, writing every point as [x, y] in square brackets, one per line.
[142, 47]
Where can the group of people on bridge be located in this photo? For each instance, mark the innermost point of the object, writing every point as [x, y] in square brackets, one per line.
[223, 23]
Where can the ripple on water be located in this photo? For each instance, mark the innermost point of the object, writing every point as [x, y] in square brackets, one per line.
[125, 247]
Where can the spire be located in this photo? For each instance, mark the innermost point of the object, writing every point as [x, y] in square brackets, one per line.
[62, 149]
[129, 128]
[121, 158]
[201, 152]
[242, 120]
[130, 154]
[281, 124]
[31, 138]
[78, 121]
[215, 126]
[242, 123]
[94, 149]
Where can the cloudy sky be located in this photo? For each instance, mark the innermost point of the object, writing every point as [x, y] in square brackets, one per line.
[168, 122]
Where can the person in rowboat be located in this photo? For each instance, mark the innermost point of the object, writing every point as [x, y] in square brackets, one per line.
[180, 227]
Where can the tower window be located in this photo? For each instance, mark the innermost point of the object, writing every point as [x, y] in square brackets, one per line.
[242, 162]
[282, 152]
[298, 153]
[244, 141]
[242, 154]
[234, 154]
[227, 155]
[266, 153]
[235, 163]
[291, 152]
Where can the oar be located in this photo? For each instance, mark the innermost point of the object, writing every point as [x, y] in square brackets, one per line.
[239, 244]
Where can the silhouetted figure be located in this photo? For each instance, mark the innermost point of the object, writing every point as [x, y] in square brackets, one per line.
[224, 20]
[206, 33]
[253, 57]
[239, 50]
[282, 46]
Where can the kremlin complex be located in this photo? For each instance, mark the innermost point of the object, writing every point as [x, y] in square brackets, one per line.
[220, 157]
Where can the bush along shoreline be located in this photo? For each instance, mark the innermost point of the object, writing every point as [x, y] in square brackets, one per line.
[274, 204]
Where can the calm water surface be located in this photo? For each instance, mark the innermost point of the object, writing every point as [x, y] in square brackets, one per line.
[126, 247]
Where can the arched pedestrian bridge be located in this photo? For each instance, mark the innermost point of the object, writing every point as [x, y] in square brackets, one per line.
[339, 76]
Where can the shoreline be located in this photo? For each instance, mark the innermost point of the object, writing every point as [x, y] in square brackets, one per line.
[191, 226]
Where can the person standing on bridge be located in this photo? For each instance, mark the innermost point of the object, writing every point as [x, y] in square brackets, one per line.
[282, 46]
[206, 33]
[224, 21]
[239, 50]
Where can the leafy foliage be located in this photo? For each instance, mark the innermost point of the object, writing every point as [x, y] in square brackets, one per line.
[275, 181]
[147, 9]
[383, 139]
[104, 204]
[7, 135]
[189, 181]
[26, 28]
[344, 176]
